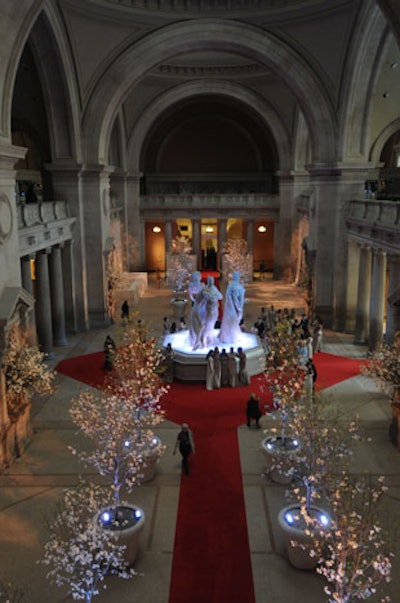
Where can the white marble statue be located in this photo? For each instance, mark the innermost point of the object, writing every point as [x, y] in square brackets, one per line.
[233, 310]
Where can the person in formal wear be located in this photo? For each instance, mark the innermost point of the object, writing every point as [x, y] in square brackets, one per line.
[109, 353]
[253, 411]
[210, 370]
[243, 376]
[185, 442]
[168, 364]
[224, 359]
[232, 370]
[217, 369]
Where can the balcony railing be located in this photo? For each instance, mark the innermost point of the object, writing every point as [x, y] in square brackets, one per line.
[33, 214]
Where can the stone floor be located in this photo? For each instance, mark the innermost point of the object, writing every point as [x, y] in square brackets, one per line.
[30, 488]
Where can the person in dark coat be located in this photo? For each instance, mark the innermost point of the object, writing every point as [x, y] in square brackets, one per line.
[253, 411]
[186, 446]
[109, 353]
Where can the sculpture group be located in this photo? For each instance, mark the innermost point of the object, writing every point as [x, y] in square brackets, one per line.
[205, 299]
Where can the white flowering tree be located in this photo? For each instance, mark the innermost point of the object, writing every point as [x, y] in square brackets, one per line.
[78, 554]
[383, 367]
[355, 557]
[118, 420]
[326, 447]
[10, 593]
[236, 258]
[179, 264]
[284, 376]
[26, 374]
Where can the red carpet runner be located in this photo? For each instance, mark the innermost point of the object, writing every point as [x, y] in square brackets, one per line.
[211, 562]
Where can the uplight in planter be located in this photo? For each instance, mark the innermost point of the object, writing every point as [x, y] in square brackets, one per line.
[295, 442]
[324, 520]
[138, 513]
[127, 443]
[105, 517]
[289, 518]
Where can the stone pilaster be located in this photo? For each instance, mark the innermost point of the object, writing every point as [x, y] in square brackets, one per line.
[361, 333]
[377, 299]
[96, 192]
[222, 234]
[69, 284]
[134, 226]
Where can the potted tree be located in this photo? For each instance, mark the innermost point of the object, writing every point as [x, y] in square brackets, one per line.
[284, 376]
[117, 421]
[79, 555]
[383, 367]
[356, 556]
[236, 258]
[26, 375]
[325, 451]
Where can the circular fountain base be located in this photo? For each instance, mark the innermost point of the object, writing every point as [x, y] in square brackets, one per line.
[191, 365]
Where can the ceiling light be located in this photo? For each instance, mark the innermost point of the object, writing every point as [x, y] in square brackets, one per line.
[156, 229]
[209, 229]
[262, 228]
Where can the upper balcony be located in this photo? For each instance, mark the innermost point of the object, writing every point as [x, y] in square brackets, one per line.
[250, 205]
[43, 224]
[376, 221]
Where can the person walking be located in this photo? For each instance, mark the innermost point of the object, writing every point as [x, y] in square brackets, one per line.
[125, 311]
[185, 443]
[253, 411]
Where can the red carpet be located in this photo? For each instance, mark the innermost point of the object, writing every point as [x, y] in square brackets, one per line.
[211, 561]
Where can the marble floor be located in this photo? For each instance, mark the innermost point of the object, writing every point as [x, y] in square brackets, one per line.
[30, 488]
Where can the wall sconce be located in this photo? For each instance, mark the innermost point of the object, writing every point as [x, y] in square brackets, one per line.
[156, 229]
[262, 228]
[209, 229]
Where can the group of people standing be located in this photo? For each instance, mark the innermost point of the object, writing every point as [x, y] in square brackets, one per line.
[226, 369]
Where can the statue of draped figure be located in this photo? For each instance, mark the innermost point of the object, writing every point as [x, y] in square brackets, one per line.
[233, 310]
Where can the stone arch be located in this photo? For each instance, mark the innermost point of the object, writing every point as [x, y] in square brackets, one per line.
[58, 83]
[220, 88]
[379, 142]
[210, 34]
[49, 47]
[358, 87]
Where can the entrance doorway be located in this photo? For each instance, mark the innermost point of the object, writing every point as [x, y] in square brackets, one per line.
[209, 244]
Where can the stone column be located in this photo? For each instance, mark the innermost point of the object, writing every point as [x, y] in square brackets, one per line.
[250, 235]
[196, 239]
[364, 295]
[69, 284]
[222, 232]
[377, 299]
[57, 296]
[168, 235]
[393, 306]
[67, 184]
[43, 303]
[27, 283]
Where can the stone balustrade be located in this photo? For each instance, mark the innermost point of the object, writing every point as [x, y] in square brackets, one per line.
[259, 204]
[374, 211]
[31, 214]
